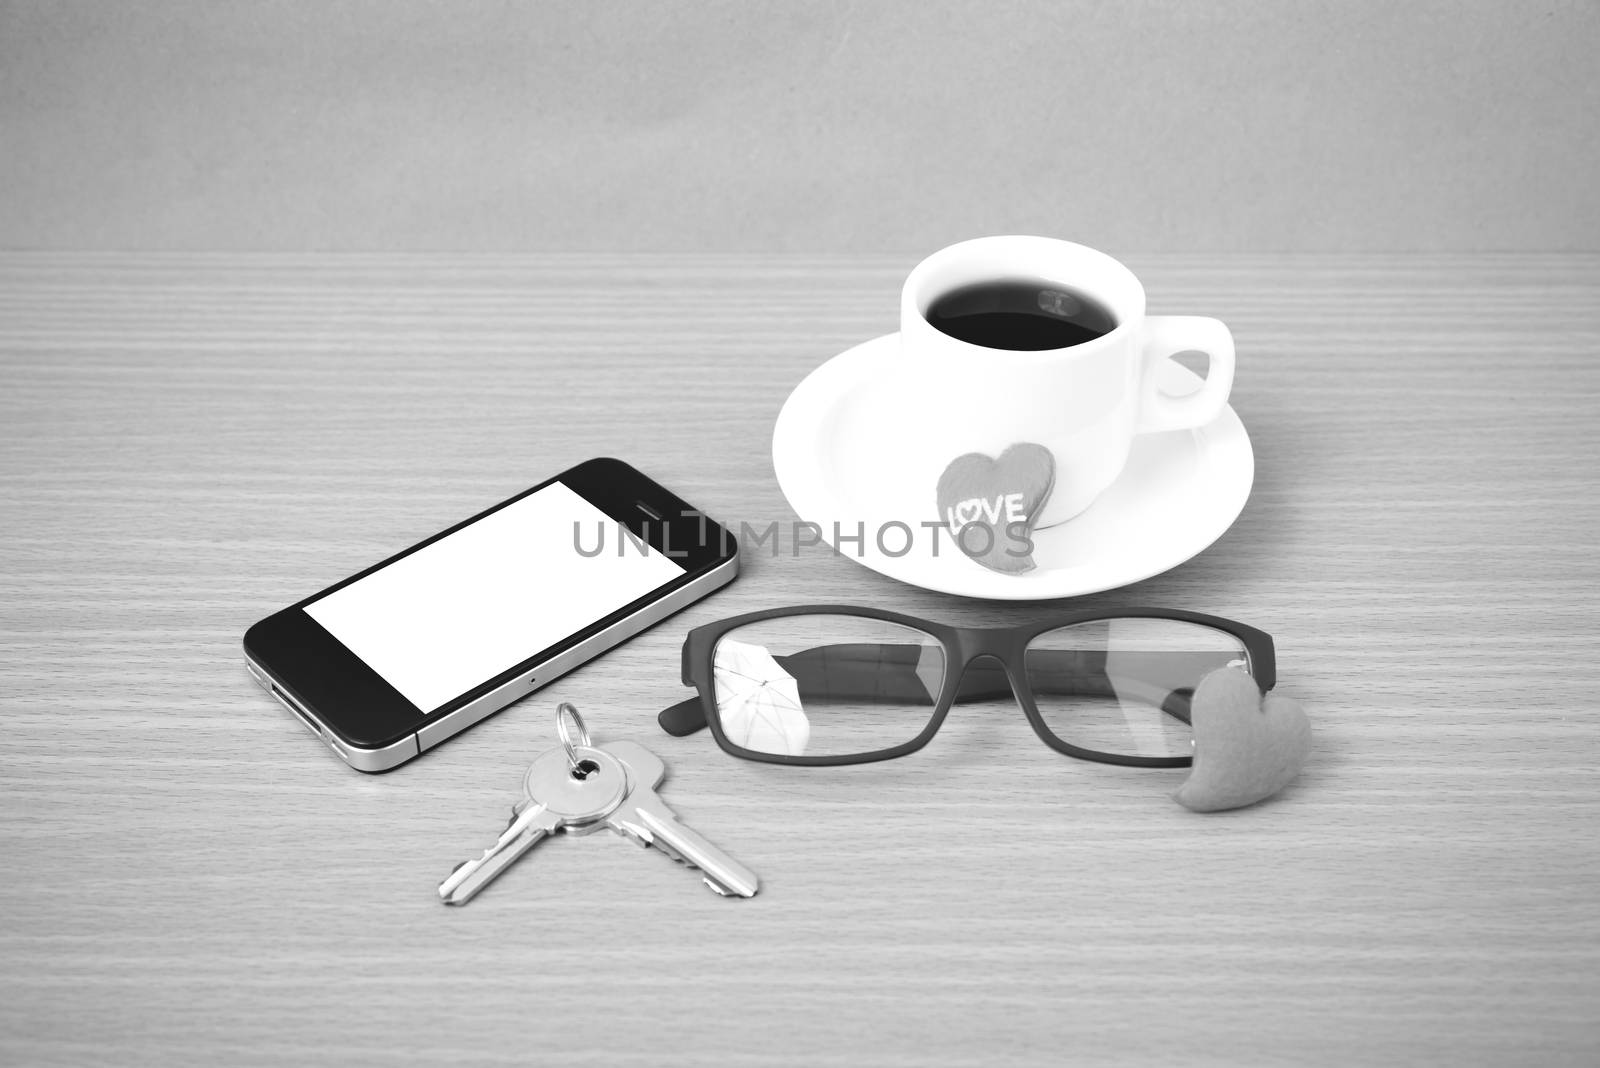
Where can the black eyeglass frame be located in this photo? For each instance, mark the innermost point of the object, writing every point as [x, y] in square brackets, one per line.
[962, 646]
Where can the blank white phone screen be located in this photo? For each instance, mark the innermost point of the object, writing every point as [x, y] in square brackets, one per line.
[477, 602]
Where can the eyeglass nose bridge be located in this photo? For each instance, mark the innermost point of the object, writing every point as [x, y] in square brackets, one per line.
[983, 675]
[988, 665]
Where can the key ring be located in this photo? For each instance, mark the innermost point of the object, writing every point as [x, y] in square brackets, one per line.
[566, 712]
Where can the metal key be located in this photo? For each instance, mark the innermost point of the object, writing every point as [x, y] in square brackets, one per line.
[645, 818]
[557, 800]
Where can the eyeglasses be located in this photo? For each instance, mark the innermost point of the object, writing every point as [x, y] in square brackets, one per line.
[837, 684]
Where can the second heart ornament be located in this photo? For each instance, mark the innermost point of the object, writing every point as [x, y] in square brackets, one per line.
[990, 505]
[1246, 747]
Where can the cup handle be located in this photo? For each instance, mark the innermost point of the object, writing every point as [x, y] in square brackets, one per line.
[1167, 335]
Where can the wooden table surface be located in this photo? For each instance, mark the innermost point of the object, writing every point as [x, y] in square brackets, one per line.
[191, 442]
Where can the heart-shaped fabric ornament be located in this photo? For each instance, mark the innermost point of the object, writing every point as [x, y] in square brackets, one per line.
[990, 505]
[1246, 747]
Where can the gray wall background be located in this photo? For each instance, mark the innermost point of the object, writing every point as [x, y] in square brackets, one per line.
[839, 125]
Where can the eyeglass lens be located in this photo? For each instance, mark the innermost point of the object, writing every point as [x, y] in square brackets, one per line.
[825, 685]
[1122, 686]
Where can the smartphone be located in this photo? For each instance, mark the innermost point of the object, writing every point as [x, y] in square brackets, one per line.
[394, 660]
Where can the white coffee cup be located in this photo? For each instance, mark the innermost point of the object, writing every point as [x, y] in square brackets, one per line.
[1084, 403]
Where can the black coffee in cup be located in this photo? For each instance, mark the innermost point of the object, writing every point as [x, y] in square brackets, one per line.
[1021, 314]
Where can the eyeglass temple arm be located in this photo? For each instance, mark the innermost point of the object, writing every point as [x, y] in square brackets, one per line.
[888, 673]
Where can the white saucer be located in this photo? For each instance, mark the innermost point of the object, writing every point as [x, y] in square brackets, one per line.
[1179, 492]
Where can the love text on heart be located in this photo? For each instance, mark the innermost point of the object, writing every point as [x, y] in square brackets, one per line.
[990, 509]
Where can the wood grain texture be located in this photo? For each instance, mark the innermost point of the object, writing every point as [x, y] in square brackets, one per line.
[190, 442]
